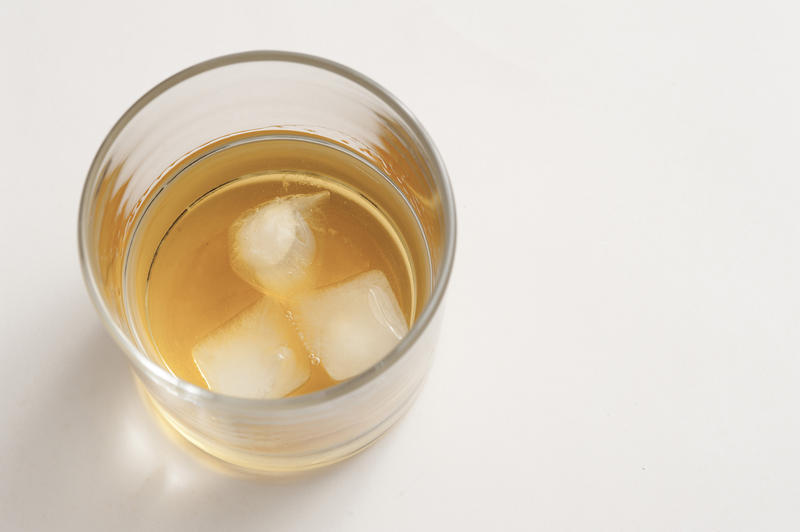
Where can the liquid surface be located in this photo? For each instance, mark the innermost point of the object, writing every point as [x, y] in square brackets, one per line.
[192, 289]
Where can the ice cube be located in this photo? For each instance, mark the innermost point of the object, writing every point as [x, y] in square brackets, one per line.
[250, 355]
[351, 325]
[272, 246]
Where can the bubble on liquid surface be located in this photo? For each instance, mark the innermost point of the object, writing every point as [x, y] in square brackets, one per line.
[351, 325]
[250, 355]
[272, 246]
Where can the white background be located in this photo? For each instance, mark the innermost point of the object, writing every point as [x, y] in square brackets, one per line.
[620, 349]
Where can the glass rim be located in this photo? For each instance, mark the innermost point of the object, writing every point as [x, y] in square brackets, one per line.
[164, 377]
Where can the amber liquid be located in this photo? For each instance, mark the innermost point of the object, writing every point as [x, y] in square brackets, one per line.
[191, 289]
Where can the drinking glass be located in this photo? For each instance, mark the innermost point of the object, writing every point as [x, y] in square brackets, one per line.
[272, 92]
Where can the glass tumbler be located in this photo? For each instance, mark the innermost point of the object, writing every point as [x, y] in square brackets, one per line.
[271, 92]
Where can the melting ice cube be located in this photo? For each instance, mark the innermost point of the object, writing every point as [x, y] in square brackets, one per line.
[249, 356]
[351, 325]
[272, 246]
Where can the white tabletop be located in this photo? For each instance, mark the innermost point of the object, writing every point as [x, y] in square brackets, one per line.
[620, 350]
